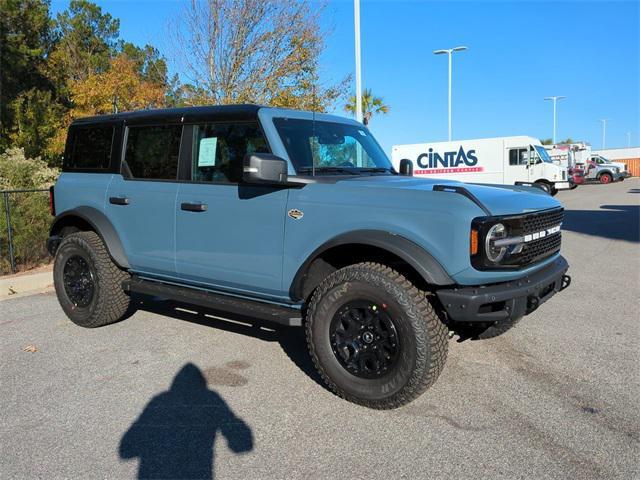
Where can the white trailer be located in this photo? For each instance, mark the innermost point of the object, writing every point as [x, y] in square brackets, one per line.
[501, 160]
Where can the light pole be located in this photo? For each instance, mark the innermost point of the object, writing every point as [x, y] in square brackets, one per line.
[555, 100]
[628, 139]
[449, 52]
[604, 131]
[356, 19]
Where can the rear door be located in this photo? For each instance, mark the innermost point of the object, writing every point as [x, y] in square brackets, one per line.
[141, 201]
[228, 235]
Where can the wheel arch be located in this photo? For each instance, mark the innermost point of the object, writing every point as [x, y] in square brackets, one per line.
[368, 245]
[90, 219]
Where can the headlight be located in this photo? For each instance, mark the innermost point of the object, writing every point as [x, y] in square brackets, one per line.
[493, 253]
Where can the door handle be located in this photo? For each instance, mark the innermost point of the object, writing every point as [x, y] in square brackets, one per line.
[119, 200]
[194, 207]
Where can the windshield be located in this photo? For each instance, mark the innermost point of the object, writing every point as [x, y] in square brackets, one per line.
[333, 148]
[544, 155]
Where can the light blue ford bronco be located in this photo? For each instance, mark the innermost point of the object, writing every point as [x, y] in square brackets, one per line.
[298, 218]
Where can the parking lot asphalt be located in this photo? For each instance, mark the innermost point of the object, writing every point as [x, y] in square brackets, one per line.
[556, 397]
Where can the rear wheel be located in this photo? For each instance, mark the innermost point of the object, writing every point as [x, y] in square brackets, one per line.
[87, 282]
[374, 337]
[605, 178]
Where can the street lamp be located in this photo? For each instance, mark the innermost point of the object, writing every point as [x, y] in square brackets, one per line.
[449, 52]
[628, 139]
[555, 99]
[604, 130]
[356, 19]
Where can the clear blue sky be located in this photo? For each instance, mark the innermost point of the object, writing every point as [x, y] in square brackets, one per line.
[519, 52]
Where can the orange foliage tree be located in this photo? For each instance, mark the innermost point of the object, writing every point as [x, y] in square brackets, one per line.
[119, 88]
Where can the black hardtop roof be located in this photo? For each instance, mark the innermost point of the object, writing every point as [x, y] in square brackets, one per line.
[186, 114]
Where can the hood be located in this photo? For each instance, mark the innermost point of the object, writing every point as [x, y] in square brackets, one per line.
[498, 199]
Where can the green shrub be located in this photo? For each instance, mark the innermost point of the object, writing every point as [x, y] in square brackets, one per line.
[30, 218]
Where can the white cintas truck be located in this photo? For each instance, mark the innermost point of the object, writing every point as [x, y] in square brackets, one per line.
[516, 160]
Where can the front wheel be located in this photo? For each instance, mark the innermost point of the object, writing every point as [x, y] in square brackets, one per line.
[87, 282]
[374, 337]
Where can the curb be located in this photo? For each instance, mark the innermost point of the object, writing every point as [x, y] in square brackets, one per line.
[26, 284]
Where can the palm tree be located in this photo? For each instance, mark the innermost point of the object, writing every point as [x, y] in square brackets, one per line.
[370, 105]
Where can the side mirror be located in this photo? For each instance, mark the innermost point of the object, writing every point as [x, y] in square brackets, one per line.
[264, 168]
[406, 167]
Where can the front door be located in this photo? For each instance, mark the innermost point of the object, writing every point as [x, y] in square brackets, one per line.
[228, 235]
[141, 201]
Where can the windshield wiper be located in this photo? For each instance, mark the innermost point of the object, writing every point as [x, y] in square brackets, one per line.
[348, 170]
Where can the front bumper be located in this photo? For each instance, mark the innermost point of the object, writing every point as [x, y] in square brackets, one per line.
[502, 301]
[625, 174]
[562, 185]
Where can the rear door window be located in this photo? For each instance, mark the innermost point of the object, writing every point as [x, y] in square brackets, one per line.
[152, 152]
[90, 148]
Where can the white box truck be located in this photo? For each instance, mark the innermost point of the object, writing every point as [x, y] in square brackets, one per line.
[502, 160]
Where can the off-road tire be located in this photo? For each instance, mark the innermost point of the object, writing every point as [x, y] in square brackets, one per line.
[422, 336]
[109, 302]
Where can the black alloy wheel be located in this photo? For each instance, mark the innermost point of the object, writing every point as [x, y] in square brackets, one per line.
[79, 281]
[364, 339]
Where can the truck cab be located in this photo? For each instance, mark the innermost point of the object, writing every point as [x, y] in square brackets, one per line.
[299, 218]
[532, 163]
[602, 162]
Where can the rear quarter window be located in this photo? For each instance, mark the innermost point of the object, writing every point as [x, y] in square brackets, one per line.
[90, 148]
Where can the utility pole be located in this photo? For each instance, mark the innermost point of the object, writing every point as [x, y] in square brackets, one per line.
[604, 131]
[449, 52]
[628, 139]
[356, 18]
[555, 100]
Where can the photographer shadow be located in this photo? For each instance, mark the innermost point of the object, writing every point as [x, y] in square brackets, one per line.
[175, 435]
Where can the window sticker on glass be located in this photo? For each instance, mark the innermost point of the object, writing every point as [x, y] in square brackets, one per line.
[207, 152]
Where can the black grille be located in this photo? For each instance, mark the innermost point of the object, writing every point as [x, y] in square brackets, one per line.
[545, 246]
[537, 222]
[539, 249]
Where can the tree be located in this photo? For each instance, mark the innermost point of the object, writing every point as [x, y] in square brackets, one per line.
[36, 119]
[549, 141]
[25, 37]
[150, 64]
[86, 40]
[371, 105]
[119, 88]
[261, 51]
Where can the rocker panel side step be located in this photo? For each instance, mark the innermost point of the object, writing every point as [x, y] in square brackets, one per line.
[216, 301]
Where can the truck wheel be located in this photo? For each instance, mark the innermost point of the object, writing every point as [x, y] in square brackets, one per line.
[374, 337]
[544, 186]
[87, 282]
[605, 178]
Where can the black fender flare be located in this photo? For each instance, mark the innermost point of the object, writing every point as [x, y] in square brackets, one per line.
[100, 224]
[422, 261]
